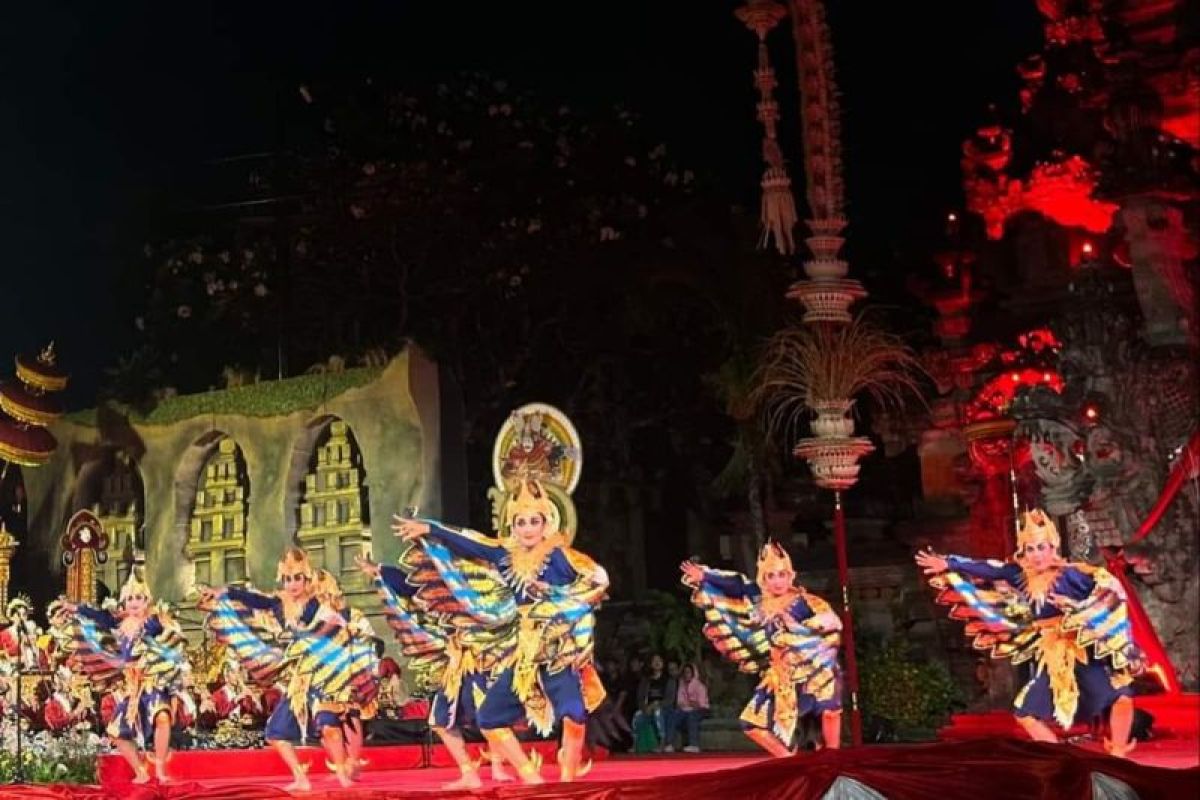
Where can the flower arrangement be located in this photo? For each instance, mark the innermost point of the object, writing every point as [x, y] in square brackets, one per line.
[65, 757]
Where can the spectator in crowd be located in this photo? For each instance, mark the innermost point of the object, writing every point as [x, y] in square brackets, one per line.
[628, 685]
[655, 703]
[691, 707]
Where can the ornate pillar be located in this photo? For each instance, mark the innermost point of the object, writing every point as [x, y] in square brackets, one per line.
[989, 444]
[1157, 244]
[8, 545]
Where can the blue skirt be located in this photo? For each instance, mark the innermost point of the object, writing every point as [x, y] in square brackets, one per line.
[1096, 693]
[502, 708]
[459, 712]
[150, 705]
[282, 725]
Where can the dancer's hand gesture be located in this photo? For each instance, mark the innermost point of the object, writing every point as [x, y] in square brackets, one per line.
[368, 567]
[408, 529]
[692, 571]
[931, 563]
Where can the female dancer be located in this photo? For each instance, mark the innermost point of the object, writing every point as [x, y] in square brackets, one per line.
[1069, 619]
[532, 581]
[778, 629]
[318, 657]
[464, 659]
[364, 663]
[144, 647]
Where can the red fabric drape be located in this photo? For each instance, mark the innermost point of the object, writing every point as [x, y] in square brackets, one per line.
[995, 769]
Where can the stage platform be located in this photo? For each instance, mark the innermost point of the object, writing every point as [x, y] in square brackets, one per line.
[1003, 769]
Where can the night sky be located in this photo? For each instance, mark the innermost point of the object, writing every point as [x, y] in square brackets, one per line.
[108, 106]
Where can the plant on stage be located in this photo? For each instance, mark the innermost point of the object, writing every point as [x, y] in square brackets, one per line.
[802, 365]
[904, 696]
[65, 757]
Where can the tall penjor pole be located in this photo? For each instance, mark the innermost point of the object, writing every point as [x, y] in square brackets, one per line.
[823, 365]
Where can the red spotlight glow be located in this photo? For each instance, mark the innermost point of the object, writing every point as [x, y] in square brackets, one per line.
[1091, 413]
[1087, 248]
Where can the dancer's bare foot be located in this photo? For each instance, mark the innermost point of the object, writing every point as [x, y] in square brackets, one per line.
[1118, 750]
[469, 780]
[141, 777]
[299, 784]
[500, 774]
[343, 776]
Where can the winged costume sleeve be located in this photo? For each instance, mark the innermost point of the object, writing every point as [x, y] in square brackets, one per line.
[160, 652]
[458, 578]
[93, 649]
[809, 638]
[727, 600]
[983, 594]
[424, 646]
[234, 621]
[1100, 618]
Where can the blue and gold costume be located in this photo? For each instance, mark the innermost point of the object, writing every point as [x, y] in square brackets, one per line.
[1070, 622]
[311, 643]
[790, 640]
[463, 655]
[148, 664]
[536, 605]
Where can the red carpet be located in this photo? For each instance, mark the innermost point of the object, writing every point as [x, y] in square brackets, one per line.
[982, 770]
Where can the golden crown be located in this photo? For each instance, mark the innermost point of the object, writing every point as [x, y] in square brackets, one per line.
[1036, 525]
[773, 557]
[530, 497]
[295, 562]
[20, 601]
[134, 585]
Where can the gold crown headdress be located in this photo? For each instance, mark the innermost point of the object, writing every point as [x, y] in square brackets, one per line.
[328, 591]
[772, 557]
[20, 601]
[134, 585]
[295, 562]
[1036, 525]
[530, 497]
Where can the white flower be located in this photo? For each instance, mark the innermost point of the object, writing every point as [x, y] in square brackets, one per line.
[534, 225]
[184, 312]
[260, 290]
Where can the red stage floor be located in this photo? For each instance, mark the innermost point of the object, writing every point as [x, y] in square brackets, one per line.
[982, 770]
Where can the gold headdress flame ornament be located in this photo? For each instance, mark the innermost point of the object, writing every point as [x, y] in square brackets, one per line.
[772, 557]
[1036, 526]
[295, 562]
[134, 585]
[530, 497]
[20, 601]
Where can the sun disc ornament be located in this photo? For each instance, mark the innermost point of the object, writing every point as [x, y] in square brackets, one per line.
[538, 442]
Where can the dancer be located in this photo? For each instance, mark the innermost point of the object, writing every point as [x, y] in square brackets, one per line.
[463, 655]
[775, 627]
[535, 582]
[317, 660]
[141, 647]
[1069, 619]
[364, 664]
